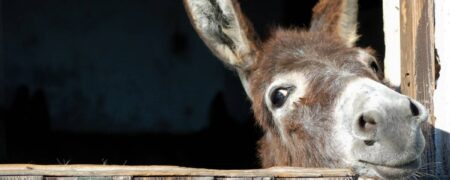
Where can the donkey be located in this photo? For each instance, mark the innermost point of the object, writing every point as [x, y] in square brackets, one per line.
[320, 101]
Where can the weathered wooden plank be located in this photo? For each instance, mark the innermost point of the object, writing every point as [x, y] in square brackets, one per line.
[122, 177]
[263, 178]
[239, 178]
[298, 178]
[89, 178]
[235, 178]
[64, 178]
[116, 170]
[21, 177]
[417, 50]
[418, 61]
[176, 178]
[204, 178]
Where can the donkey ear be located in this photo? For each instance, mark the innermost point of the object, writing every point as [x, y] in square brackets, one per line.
[337, 17]
[225, 30]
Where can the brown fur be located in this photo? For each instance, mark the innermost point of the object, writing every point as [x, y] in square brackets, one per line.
[336, 17]
[324, 54]
[324, 59]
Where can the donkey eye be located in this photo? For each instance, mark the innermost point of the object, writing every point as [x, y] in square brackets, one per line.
[279, 96]
[374, 66]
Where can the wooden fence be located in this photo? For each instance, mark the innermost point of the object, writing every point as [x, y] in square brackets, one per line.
[103, 172]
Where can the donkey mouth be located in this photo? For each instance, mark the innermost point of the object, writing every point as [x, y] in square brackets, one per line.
[394, 171]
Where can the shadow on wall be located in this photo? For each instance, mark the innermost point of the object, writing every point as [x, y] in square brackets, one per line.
[223, 144]
[118, 82]
[27, 122]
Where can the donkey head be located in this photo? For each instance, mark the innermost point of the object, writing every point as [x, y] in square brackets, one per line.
[320, 101]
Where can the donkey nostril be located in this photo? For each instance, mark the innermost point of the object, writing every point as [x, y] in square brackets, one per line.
[414, 109]
[367, 123]
[369, 142]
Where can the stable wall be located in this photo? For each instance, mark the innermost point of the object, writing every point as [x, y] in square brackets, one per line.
[110, 67]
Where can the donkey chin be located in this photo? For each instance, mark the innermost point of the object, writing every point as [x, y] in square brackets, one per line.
[379, 130]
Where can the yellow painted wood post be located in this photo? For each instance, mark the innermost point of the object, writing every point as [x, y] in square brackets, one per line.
[418, 62]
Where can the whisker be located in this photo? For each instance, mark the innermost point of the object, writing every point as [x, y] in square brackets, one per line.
[423, 174]
[430, 163]
[432, 168]
[63, 161]
[412, 176]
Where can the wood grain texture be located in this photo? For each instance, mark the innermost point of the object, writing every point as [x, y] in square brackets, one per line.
[177, 178]
[165, 171]
[89, 178]
[418, 61]
[21, 177]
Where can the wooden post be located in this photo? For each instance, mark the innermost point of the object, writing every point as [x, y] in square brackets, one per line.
[417, 62]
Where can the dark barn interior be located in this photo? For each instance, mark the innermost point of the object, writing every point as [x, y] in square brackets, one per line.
[130, 82]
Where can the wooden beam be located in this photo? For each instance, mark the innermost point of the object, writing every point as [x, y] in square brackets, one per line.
[418, 61]
[21, 177]
[84, 178]
[118, 170]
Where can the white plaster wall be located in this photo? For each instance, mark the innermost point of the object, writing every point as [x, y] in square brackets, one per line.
[391, 18]
[442, 92]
